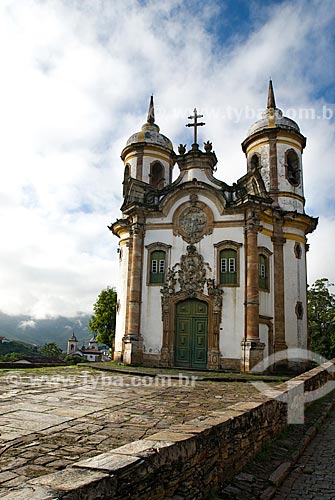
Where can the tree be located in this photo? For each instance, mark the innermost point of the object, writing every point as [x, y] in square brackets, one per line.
[321, 318]
[74, 359]
[103, 320]
[51, 350]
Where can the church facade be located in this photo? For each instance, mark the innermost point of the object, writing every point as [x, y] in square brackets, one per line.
[212, 276]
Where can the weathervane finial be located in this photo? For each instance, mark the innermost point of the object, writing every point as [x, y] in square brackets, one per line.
[271, 97]
[151, 111]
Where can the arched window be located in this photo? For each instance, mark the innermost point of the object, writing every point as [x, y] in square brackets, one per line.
[263, 272]
[254, 162]
[126, 177]
[157, 175]
[292, 167]
[228, 263]
[297, 250]
[157, 266]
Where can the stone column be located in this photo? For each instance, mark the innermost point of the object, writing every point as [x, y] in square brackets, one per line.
[279, 296]
[133, 341]
[252, 348]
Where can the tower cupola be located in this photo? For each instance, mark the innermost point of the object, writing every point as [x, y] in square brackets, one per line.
[72, 344]
[148, 154]
[274, 145]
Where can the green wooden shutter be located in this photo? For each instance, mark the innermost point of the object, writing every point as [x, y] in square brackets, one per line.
[157, 266]
[263, 272]
[228, 267]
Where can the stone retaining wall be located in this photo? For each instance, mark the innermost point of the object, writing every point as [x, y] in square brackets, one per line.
[191, 460]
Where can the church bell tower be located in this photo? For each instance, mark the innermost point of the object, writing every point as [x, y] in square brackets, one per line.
[148, 159]
[274, 145]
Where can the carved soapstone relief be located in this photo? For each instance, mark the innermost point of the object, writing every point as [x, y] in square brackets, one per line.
[190, 276]
[192, 222]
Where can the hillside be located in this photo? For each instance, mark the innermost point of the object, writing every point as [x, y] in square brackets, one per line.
[40, 331]
[18, 347]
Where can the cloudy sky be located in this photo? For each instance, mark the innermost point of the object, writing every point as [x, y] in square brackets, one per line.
[76, 77]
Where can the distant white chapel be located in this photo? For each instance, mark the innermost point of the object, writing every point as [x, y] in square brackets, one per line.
[91, 353]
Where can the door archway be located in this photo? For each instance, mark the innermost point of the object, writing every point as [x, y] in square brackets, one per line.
[191, 334]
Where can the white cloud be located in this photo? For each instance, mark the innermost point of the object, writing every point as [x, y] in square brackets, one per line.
[29, 323]
[76, 78]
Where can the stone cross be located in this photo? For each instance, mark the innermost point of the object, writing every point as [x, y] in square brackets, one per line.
[196, 124]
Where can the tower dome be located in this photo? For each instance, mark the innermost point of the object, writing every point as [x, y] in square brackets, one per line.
[272, 117]
[150, 132]
[274, 146]
[148, 155]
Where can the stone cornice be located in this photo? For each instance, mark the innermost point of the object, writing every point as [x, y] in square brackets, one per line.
[272, 134]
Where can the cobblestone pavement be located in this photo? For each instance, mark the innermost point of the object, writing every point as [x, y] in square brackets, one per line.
[50, 418]
[313, 478]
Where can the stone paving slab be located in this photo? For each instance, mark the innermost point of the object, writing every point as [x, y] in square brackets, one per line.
[259, 480]
[313, 478]
[55, 417]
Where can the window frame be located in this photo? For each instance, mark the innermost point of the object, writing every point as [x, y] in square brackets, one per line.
[266, 254]
[252, 164]
[298, 169]
[157, 247]
[220, 247]
[161, 182]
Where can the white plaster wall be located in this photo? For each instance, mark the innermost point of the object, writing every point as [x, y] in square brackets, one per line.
[151, 320]
[132, 162]
[295, 290]
[197, 173]
[266, 299]
[232, 323]
[264, 337]
[121, 295]
[185, 199]
[290, 204]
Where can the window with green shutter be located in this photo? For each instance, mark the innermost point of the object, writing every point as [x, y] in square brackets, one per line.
[157, 266]
[263, 272]
[228, 267]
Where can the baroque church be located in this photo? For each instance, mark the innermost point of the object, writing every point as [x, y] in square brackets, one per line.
[212, 276]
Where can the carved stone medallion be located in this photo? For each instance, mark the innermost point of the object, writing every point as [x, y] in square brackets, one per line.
[193, 224]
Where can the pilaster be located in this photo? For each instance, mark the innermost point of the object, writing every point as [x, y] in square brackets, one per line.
[278, 286]
[132, 341]
[252, 348]
[273, 165]
[252, 354]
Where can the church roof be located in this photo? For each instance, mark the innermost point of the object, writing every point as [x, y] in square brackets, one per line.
[150, 132]
[272, 117]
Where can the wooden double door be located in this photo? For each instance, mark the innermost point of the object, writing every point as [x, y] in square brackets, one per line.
[191, 334]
